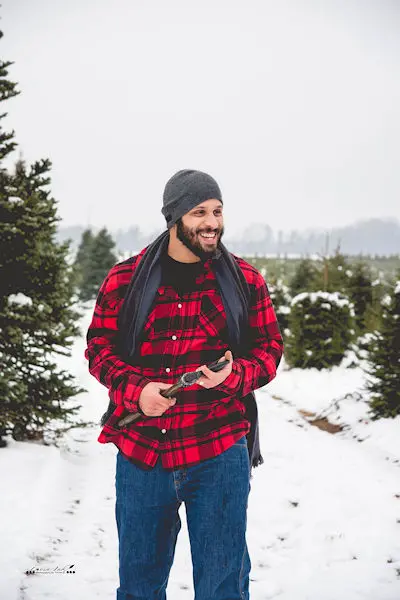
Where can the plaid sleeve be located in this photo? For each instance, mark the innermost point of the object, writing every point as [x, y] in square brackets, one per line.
[123, 381]
[259, 366]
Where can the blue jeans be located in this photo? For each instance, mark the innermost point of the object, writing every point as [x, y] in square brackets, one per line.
[215, 493]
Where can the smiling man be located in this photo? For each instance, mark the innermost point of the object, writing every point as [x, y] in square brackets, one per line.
[180, 304]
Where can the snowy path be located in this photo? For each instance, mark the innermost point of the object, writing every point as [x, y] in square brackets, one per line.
[323, 523]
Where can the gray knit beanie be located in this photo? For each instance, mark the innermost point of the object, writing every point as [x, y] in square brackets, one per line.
[185, 190]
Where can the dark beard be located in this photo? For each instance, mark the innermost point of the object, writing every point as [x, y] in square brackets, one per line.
[188, 238]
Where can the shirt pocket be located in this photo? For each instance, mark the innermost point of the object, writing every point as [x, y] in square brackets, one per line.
[212, 320]
[167, 318]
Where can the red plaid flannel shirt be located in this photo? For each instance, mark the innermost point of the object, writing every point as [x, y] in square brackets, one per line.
[181, 333]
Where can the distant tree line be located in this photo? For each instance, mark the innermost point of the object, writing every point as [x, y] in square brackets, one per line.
[374, 237]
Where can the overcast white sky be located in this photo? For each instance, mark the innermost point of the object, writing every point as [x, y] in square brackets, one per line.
[293, 106]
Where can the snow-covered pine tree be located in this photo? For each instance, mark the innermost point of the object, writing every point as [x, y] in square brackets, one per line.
[384, 359]
[321, 327]
[100, 260]
[37, 318]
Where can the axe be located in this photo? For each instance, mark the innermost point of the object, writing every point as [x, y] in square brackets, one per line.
[187, 379]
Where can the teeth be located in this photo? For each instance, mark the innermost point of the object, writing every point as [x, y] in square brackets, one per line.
[208, 235]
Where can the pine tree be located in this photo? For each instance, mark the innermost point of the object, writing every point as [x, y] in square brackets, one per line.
[99, 261]
[336, 273]
[82, 258]
[320, 330]
[7, 145]
[384, 360]
[281, 299]
[37, 319]
[373, 313]
[333, 277]
[359, 289]
[305, 278]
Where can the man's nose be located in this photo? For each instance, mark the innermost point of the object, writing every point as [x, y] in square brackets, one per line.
[211, 221]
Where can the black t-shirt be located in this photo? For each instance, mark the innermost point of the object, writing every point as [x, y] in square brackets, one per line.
[181, 276]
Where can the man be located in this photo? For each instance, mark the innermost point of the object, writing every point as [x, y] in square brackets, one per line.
[180, 304]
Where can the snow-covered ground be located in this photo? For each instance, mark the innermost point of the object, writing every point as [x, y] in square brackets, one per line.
[324, 509]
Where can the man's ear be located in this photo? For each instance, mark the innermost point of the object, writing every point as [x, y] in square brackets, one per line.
[172, 231]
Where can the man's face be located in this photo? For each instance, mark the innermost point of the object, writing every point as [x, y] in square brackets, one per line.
[202, 228]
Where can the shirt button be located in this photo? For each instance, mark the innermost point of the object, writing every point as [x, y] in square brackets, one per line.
[174, 337]
[179, 305]
[168, 369]
[163, 431]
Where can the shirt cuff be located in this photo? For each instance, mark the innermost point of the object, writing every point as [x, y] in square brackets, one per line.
[231, 385]
[133, 392]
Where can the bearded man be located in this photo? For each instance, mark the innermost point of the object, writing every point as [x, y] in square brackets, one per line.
[182, 303]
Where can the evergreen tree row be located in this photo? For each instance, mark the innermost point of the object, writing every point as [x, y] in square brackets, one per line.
[329, 308]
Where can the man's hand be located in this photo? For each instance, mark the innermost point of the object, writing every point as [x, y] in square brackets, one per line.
[212, 379]
[151, 402]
